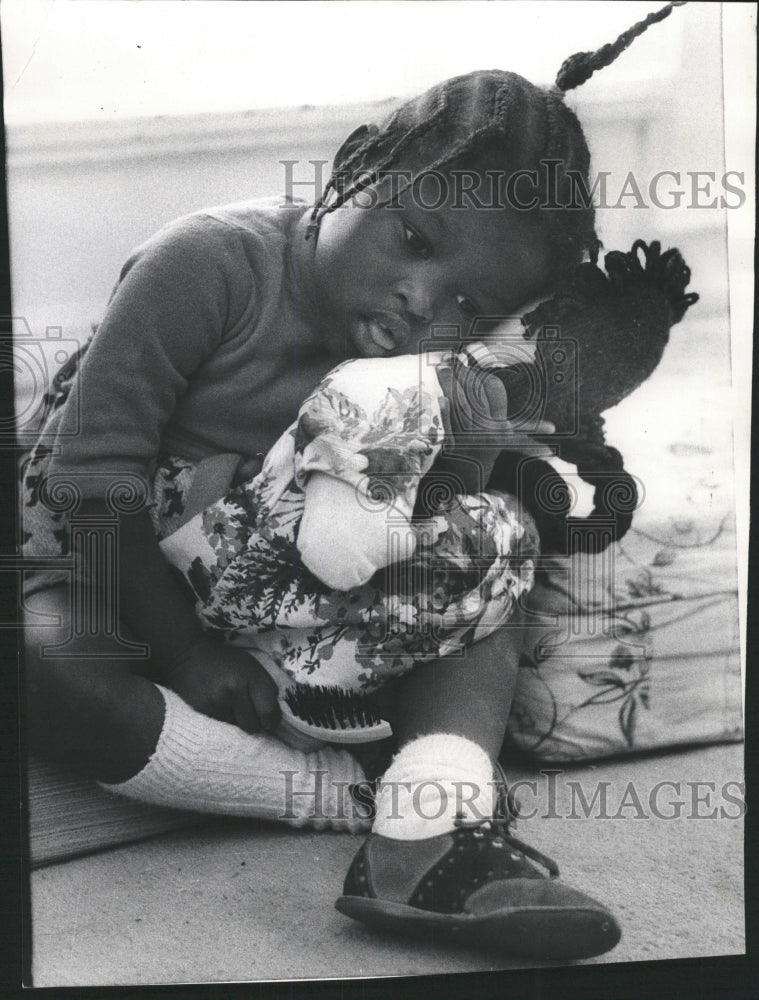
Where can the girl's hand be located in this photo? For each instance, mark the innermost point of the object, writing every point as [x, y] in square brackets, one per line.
[226, 683]
[475, 414]
[248, 468]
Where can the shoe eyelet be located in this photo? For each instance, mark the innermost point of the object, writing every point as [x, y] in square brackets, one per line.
[478, 834]
[497, 842]
[515, 856]
[604, 926]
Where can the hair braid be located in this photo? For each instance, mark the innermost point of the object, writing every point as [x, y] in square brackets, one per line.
[363, 155]
[422, 127]
[365, 151]
[502, 106]
[497, 125]
[581, 66]
[493, 119]
[464, 147]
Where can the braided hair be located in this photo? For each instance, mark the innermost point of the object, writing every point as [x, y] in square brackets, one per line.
[582, 65]
[490, 120]
[493, 120]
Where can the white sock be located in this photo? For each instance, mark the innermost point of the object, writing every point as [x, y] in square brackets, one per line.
[431, 780]
[204, 765]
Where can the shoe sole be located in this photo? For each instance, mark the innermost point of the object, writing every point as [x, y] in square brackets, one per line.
[540, 932]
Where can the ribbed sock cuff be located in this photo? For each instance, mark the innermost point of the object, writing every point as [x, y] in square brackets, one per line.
[213, 767]
[430, 781]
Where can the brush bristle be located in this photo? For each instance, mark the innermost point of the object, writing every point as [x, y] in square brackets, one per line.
[331, 707]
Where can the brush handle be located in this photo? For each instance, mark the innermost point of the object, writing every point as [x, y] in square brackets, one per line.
[356, 734]
[289, 732]
[302, 735]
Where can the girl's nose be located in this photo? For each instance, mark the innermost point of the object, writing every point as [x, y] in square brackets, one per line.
[418, 298]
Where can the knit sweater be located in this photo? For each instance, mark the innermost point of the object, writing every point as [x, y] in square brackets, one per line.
[202, 348]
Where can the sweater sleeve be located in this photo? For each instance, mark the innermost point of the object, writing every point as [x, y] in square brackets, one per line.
[176, 296]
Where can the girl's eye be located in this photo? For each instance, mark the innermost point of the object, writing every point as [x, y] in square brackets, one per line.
[466, 305]
[415, 243]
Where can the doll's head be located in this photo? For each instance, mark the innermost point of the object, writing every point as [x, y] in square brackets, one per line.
[602, 334]
[596, 340]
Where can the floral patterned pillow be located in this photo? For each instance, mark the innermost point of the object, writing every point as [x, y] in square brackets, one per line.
[634, 649]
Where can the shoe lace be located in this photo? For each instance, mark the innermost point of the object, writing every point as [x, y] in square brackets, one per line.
[498, 827]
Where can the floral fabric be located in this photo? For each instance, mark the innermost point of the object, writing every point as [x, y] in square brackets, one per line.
[634, 649]
[380, 429]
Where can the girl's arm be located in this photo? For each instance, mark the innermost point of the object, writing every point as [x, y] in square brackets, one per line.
[166, 317]
[219, 680]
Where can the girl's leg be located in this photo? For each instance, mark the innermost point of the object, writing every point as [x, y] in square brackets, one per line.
[102, 719]
[97, 717]
[469, 695]
[426, 870]
[449, 718]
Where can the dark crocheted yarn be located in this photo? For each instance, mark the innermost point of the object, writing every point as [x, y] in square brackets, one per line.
[619, 322]
[615, 325]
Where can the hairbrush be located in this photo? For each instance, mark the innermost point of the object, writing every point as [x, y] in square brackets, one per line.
[315, 714]
[332, 714]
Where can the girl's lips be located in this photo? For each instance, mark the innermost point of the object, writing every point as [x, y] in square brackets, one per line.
[387, 331]
[380, 334]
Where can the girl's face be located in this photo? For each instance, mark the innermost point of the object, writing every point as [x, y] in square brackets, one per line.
[382, 278]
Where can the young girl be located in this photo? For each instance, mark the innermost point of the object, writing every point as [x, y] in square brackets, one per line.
[218, 329]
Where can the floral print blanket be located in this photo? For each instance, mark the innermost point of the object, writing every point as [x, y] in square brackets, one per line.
[376, 424]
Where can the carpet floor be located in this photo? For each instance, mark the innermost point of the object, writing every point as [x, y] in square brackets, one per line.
[242, 901]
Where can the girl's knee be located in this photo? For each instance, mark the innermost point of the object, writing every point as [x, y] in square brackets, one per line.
[93, 714]
[47, 619]
[52, 633]
[64, 679]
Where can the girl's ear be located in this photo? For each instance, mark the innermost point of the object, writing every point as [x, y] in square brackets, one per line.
[352, 143]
